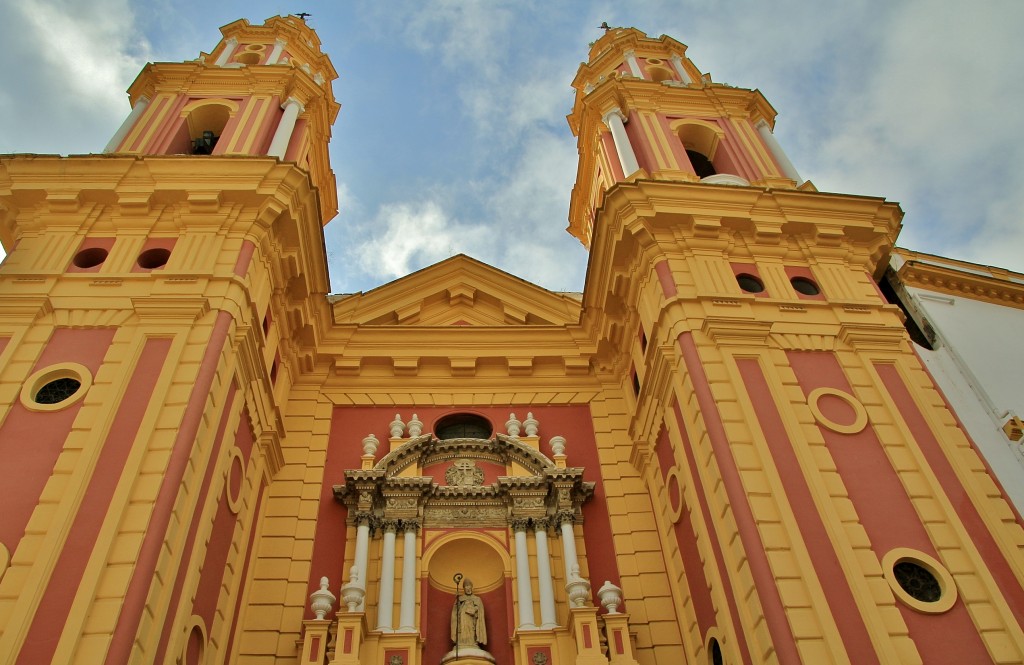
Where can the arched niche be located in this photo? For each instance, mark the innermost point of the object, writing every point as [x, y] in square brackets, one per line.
[202, 120]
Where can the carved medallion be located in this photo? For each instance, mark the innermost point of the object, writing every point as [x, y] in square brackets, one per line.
[464, 473]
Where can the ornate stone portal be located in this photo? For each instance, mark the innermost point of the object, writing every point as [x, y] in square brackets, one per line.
[528, 492]
[537, 489]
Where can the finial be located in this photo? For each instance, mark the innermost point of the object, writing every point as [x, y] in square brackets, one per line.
[605, 26]
[303, 16]
[530, 424]
[512, 425]
[415, 426]
[322, 600]
[610, 596]
[370, 444]
[397, 427]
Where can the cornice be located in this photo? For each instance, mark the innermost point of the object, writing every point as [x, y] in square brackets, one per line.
[994, 288]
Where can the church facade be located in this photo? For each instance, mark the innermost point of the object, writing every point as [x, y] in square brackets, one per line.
[727, 449]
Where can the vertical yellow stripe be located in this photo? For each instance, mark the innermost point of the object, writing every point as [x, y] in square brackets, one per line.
[755, 147]
[260, 113]
[152, 118]
[240, 127]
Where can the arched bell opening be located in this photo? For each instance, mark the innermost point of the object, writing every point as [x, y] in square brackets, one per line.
[202, 124]
[704, 143]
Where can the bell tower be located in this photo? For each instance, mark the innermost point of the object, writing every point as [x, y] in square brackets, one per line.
[158, 302]
[644, 110]
[816, 500]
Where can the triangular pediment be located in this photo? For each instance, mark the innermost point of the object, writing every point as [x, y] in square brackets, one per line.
[459, 291]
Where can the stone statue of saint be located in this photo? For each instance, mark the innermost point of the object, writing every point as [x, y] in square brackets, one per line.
[468, 628]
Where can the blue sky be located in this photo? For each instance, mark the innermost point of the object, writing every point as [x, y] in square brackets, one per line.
[452, 134]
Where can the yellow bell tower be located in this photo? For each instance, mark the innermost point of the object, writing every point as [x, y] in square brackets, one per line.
[158, 301]
[817, 501]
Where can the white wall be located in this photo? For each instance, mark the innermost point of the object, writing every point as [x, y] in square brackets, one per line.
[978, 363]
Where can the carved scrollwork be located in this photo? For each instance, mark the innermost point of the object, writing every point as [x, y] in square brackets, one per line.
[519, 523]
[389, 497]
[563, 516]
[400, 502]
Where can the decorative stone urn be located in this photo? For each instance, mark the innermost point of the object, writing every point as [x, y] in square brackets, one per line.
[610, 596]
[370, 445]
[512, 425]
[558, 445]
[397, 427]
[577, 588]
[530, 425]
[352, 593]
[322, 600]
[415, 426]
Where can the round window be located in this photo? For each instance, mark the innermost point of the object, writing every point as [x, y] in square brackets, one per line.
[919, 580]
[805, 286]
[154, 258]
[56, 387]
[749, 283]
[715, 652]
[90, 258]
[56, 391]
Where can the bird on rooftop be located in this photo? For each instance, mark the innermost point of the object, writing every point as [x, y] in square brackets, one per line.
[303, 15]
[605, 26]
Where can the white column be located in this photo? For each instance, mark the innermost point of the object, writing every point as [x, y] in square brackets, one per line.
[568, 543]
[385, 608]
[634, 66]
[362, 551]
[526, 619]
[275, 55]
[126, 126]
[677, 64]
[627, 159]
[547, 590]
[407, 611]
[229, 47]
[780, 156]
[279, 145]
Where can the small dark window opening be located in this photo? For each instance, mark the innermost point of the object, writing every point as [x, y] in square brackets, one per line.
[702, 166]
[917, 581]
[205, 144]
[805, 286]
[921, 336]
[715, 652]
[463, 426]
[90, 258]
[749, 283]
[273, 370]
[57, 391]
[151, 259]
[636, 384]
[266, 323]
[643, 340]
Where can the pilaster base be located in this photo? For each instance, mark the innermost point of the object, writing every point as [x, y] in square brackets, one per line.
[314, 641]
[399, 649]
[351, 633]
[584, 630]
[620, 648]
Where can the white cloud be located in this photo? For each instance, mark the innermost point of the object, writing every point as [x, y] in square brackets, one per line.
[73, 62]
[408, 236]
